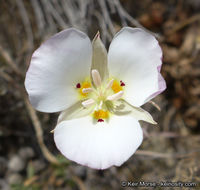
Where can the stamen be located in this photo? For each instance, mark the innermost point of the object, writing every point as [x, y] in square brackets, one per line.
[109, 85]
[85, 84]
[96, 78]
[86, 90]
[115, 96]
[78, 85]
[88, 103]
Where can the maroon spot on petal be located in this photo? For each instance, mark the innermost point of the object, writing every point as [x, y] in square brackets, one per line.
[100, 120]
[78, 85]
[122, 83]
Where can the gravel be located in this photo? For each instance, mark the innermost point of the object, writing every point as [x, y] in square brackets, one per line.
[16, 164]
[26, 153]
[14, 178]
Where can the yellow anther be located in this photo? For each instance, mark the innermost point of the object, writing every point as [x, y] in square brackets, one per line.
[101, 114]
[85, 84]
[116, 86]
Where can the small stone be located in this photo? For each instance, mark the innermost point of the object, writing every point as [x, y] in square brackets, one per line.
[14, 178]
[4, 185]
[3, 166]
[80, 171]
[16, 164]
[26, 153]
[38, 165]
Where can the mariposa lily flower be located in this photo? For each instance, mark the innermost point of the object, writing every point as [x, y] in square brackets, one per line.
[99, 94]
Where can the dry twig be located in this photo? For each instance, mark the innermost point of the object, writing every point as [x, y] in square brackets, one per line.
[125, 16]
[183, 24]
[9, 61]
[55, 14]
[39, 16]
[107, 17]
[79, 182]
[26, 23]
[39, 132]
[165, 155]
[166, 124]
[155, 105]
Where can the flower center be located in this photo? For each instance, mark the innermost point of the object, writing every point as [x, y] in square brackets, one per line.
[99, 93]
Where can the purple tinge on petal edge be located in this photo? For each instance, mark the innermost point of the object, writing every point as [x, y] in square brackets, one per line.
[161, 85]
[159, 68]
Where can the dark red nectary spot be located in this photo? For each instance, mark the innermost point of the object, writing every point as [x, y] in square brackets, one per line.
[78, 85]
[122, 83]
[100, 120]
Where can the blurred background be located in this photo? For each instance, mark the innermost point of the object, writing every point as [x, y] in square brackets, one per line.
[29, 159]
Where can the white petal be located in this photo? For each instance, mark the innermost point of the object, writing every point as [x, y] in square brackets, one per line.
[99, 145]
[134, 57]
[161, 87]
[56, 67]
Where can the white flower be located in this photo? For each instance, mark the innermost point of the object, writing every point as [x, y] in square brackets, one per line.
[98, 125]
